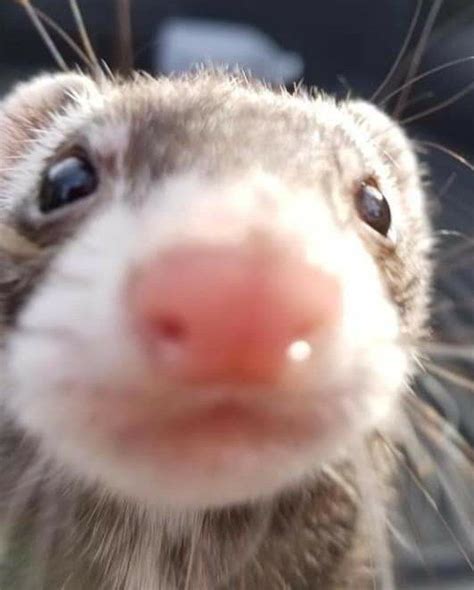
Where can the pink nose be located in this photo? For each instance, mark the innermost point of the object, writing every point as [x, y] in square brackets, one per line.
[212, 314]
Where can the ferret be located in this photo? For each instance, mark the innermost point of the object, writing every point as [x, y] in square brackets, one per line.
[211, 297]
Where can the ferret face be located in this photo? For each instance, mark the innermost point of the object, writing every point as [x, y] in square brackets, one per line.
[216, 286]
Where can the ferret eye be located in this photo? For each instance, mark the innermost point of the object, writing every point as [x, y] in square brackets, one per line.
[373, 208]
[67, 181]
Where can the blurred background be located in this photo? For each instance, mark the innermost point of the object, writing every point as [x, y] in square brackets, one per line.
[342, 47]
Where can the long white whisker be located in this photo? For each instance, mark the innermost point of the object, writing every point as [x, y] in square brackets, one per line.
[464, 382]
[439, 107]
[437, 428]
[401, 53]
[339, 480]
[456, 156]
[46, 37]
[462, 503]
[125, 34]
[442, 398]
[86, 42]
[66, 38]
[430, 72]
[449, 350]
[430, 500]
[418, 54]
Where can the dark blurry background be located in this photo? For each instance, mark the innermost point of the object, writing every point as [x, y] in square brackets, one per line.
[340, 46]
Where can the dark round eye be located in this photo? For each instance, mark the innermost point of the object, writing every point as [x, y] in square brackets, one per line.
[373, 208]
[67, 181]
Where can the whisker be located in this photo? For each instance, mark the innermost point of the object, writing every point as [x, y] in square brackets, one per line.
[65, 37]
[439, 107]
[466, 243]
[415, 545]
[456, 256]
[449, 350]
[437, 428]
[125, 35]
[420, 97]
[451, 233]
[401, 53]
[446, 187]
[417, 55]
[422, 76]
[106, 69]
[453, 465]
[450, 152]
[411, 439]
[442, 399]
[86, 42]
[461, 500]
[404, 463]
[345, 84]
[45, 36]
[341, 482]
[460, 380]
[400, 537]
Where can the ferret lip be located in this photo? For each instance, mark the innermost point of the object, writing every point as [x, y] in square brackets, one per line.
[225, 422]
[210, 427]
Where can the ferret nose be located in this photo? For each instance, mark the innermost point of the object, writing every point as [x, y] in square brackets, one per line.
[214, 315]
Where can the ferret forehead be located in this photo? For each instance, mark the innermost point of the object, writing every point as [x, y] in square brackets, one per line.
[221, 105]
[220, 123]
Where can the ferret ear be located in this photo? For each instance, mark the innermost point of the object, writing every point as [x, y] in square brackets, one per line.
[31, 106]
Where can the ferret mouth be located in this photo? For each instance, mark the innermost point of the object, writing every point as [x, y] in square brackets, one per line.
[210, 428]
[222, 424]
[214, 452]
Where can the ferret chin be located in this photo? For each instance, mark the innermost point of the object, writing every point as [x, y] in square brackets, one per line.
[212, 310]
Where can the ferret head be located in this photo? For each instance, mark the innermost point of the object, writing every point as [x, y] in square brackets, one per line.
[210, 289]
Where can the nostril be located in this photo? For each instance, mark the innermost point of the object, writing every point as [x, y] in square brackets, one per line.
[171, 329]
[302, 331]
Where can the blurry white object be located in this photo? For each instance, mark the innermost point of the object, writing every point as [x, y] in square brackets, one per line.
[184, 43]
